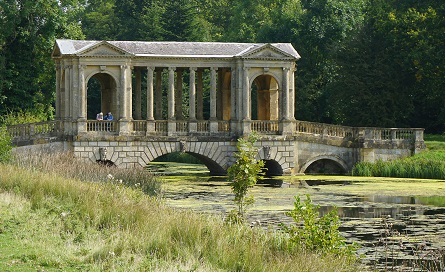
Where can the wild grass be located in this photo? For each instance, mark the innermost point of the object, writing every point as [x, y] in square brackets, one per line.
[66, 165]
[66, 224]
[429, 164]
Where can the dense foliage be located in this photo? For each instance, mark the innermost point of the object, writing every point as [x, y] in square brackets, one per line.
[364, 62]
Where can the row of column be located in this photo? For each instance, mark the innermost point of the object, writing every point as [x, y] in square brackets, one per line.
[175, 94]
[71, 95]
[240, 91]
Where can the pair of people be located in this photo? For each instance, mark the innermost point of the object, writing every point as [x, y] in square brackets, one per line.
[108, 117]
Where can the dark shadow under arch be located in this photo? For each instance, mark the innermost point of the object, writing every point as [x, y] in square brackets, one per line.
[106, 163]
[272, 168]
[325, 166]
[214, 168]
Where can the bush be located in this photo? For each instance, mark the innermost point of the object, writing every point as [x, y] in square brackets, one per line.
[5, 145]
[316, 233]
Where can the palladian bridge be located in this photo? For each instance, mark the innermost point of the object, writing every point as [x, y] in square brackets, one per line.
[197, 98]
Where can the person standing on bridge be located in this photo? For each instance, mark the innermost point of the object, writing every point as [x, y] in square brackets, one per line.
[108, 116]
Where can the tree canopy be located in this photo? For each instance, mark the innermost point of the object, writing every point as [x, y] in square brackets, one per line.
[364, 62]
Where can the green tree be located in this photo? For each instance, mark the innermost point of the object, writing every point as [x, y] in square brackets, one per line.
[392, 70]
[29, 29]
[244, 174]
[325, 27]
[99, 20]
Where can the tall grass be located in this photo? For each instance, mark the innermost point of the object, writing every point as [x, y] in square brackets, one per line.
[429, 164]
[66, 165]
[71, 224]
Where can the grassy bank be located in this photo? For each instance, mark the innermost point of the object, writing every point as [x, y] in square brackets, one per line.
[51, 222]
[429, 164]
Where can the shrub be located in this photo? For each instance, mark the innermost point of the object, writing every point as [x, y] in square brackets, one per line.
[5, 145]
[316, 233]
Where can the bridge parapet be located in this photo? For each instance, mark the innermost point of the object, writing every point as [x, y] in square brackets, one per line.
[361, 137]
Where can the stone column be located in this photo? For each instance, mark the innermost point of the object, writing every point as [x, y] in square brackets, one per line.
[150, 119]
[67, 92]
[122, 93]
[292, 94]
[129, 93]
[234, 103]
[192, 118]
[74, 97]
[158, 96]
[58, 105]
[246, 95]
[200, 94]
[82, 119]
[213, 123]
[171, 95]
[138, 94]
[150, 93]
[171, 124]
[246, 124]
[83, 93]
[286, 124]
[192, 94]
[179, 95]
[213, 95]
[125, 100]
[233, 95]
[286, 94]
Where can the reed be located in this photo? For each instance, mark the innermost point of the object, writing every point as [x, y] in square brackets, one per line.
[429, 164]
[67, 224]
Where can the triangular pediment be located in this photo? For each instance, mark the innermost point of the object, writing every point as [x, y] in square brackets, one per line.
[102, 49]
[56, 52]
[266, 51]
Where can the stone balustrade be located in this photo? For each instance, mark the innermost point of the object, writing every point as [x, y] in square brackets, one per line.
[367, 136]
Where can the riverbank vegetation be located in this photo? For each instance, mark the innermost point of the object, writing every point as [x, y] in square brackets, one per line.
[428, 164]
[56, 222]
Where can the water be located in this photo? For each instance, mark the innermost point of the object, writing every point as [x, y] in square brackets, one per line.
[395, 221]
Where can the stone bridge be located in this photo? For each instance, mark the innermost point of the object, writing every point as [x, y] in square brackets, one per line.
[309, 148]
[197, 98]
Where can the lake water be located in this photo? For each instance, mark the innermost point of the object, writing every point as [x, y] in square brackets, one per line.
[399, 223]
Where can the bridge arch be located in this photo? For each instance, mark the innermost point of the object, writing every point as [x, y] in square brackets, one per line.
[212, 154]
[325, 164]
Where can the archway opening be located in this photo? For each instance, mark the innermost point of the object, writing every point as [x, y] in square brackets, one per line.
[107, 163]
[272, 168]
[183, 163]
[265, 98]
[101, 94]
[325, 166]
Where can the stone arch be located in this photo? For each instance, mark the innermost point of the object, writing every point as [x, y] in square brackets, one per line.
[209, 153]
[265, 96]
[107, 93]
[329, 163]
[272, 168]
[274, 159]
